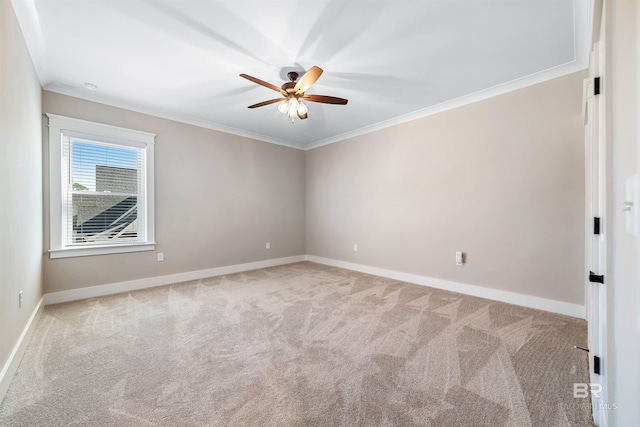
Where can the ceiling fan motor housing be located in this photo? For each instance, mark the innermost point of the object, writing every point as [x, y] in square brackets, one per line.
[288, 86]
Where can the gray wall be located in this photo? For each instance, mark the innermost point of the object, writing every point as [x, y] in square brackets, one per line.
[20, 183]
[501, 179]
[219, 198]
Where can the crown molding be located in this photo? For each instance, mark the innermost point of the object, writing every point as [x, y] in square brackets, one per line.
[520, 83]
[70, 91]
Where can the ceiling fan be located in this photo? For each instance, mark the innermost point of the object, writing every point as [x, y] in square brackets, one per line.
[294, 93]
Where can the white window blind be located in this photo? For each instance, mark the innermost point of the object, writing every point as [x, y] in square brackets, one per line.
[104, 199]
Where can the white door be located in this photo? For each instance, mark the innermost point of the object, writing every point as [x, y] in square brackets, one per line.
[596, 262]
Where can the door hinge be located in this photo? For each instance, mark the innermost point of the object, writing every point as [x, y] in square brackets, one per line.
[596, 86]
[595, 278]
[596, 225]
[596, 365]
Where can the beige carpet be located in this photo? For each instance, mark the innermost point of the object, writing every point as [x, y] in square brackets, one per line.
[298, 345]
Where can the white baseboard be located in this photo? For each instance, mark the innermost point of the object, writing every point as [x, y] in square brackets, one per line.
[150, 282]
[560, 307]
[15, 357]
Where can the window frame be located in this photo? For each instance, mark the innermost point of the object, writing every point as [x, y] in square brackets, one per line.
[100, 133]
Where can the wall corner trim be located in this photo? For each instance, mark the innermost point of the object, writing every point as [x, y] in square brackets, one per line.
[150, 282]
[539, 303]
[10, 367]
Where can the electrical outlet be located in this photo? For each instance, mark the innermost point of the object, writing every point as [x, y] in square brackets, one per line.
[268, 245]
[20, 295]
[355, 248]
[459, 258]
[160, 256]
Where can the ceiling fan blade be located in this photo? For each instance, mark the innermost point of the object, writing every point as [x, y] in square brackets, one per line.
[302, 116]
[262, 104]
[308, 79]
[325, 99]
[263, 83]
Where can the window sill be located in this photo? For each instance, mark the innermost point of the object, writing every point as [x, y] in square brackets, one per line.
[100, 250]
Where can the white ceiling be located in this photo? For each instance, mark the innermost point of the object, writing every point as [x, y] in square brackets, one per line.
[395, 60]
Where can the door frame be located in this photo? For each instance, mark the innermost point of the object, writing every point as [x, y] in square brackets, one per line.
[596, 244]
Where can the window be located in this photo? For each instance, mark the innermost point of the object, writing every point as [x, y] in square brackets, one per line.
[101, 188]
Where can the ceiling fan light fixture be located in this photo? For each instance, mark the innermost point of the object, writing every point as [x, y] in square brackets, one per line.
[284, 107]
[293, 107]
[302, 109]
